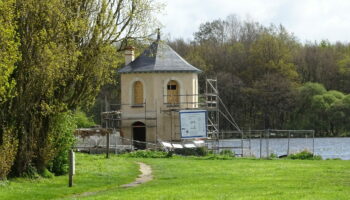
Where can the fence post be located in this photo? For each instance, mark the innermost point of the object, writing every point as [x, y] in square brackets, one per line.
[250, 144]
[261, 133]
[313, 142]
[288, 143]
[107, 124]
[71, 159]
[107, 150]
[267, 143]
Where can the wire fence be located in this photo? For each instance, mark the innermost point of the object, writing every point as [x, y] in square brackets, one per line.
[98, 143]
[264, 143]
[254, 143]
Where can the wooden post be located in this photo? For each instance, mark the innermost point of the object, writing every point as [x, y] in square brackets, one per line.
[261, 134]
[71, 159]
[313, 142]
[107, 151]
[156, 142]
[107, 121]
[288, 142]
[267, 143]
[250, 144]
[171, 126]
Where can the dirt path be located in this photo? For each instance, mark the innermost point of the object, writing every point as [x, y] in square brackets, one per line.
[145, 176]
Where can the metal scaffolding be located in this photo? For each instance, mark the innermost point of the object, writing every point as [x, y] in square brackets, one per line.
[210, 101]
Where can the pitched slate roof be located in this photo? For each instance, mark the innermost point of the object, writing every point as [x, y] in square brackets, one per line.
[159, 57]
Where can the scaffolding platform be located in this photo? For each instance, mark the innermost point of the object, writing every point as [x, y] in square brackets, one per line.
[209, 101]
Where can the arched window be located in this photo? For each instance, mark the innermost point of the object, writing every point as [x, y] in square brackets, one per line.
[173, 92]
[138, 93]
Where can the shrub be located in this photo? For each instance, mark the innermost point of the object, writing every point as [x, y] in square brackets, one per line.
[273, 156]
[304, 155]
[222, 155]
[31, 172]
[333, 159]
[227, 152]
[63, 126]
[8, 150]
[82, 121]
[148, 154]
[198, 151]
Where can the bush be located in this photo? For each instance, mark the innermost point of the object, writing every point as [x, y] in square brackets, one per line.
[198, 151]
[8, 150]
[148, 154]
[227, 152]
[31, 172]
[223, 155]
[82, 121]
[304, 155]
[63, 126]
[273, 156]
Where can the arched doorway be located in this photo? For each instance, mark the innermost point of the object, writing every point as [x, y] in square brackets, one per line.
[139, 134]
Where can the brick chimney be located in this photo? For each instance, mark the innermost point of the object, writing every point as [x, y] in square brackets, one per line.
[129, 54]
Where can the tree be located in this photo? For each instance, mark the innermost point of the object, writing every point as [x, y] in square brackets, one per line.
[344, 72]
[270, 80]
[321, 110]
[69, 49]
[9, 53]
[9, 56]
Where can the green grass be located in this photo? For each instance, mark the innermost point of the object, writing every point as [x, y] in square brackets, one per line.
[191, 178]
[241, 179]
[93, 173]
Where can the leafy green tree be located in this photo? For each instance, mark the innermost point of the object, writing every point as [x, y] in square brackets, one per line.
[69, 49]
[321, 110]
[321, 106]
[344, 72]
[269, 79]
[303, 116]
[9, 56]
[61, 133]
[82, 121]
[9, 53]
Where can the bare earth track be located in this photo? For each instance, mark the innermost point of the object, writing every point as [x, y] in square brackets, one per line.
[145, 176]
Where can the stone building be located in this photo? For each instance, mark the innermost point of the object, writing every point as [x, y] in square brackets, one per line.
[154, 87]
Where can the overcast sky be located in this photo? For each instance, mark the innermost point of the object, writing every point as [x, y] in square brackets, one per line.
[309, 20]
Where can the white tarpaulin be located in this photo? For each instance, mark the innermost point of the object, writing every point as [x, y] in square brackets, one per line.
[193, 123]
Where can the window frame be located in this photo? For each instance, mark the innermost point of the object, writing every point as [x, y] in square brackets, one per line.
[136, 100]
[173, 85]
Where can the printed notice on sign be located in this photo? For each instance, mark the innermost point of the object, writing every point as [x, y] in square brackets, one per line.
[193, 123]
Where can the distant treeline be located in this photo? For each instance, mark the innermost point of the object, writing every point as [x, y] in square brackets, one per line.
[269, 79]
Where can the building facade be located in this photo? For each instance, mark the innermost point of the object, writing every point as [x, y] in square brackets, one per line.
[154, 87]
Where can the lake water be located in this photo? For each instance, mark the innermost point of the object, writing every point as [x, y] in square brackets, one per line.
[325, 147]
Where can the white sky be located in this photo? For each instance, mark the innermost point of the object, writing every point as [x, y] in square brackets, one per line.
[309, 20]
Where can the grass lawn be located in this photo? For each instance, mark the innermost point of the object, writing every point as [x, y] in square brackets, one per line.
[189, 178]
[241, 179]
[93, 173]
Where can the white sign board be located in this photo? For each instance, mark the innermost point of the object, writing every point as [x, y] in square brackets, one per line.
[193, 123]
